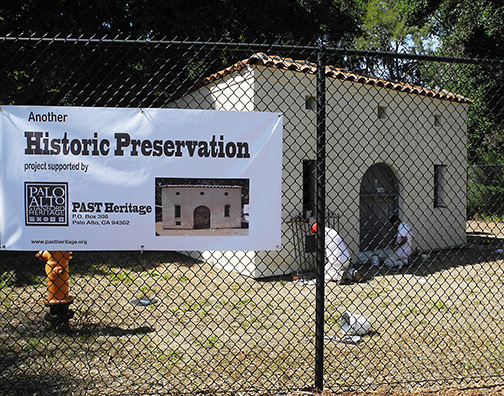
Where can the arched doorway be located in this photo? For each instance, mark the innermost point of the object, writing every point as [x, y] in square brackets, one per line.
[201, 218]
[379, 199]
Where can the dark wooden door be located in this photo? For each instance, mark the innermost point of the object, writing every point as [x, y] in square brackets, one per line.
[201, 218]
[379, 197]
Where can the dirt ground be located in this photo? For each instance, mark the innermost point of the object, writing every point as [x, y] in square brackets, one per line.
[204, 232]
[488, 391]
[155, 323]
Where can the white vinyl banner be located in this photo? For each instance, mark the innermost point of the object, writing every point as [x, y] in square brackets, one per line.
[77, 178]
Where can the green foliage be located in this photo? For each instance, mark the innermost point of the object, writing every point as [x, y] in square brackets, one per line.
[485, 192]
[385, 28]
[471, 28]
[229, 20]
[123, 276]
[7, 278]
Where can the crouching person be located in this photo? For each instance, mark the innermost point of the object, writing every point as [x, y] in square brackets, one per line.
[338, 266]
[402, 248]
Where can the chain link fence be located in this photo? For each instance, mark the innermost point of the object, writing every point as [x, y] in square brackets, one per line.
[366, 136]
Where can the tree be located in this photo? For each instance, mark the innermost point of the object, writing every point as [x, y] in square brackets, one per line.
[475, 28]
[471, 28]
[384, 28]
[336, 21]
[47, 74]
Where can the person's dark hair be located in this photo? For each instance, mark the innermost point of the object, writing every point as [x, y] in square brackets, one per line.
[394, 219]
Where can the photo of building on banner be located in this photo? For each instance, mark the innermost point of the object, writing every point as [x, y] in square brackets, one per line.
[202, 207]
[125, 179]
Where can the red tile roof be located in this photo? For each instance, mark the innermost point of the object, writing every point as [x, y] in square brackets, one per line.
[303, 66]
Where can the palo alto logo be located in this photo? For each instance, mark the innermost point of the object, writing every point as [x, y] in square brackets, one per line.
[46, 204]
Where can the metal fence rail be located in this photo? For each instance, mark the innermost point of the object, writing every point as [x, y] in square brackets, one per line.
[366, 136]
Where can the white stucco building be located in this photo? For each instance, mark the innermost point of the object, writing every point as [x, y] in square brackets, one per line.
[391, 148]
[188, 207]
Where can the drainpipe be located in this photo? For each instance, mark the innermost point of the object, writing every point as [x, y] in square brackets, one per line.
[58, 298]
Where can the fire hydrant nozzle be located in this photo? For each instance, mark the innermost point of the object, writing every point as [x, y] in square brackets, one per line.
[58, 297]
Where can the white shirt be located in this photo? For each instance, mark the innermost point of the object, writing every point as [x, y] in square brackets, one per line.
[336, 250]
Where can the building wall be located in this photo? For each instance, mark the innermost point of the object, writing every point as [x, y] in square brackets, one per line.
[188, 198]
[410, 144]
[231, 93]
[407, 140]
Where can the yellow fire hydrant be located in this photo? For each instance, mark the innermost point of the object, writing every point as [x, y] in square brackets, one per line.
[58, 286]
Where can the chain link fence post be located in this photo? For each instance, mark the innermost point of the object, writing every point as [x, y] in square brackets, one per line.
[320, 300]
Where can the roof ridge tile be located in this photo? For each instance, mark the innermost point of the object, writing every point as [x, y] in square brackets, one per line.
[304, 66]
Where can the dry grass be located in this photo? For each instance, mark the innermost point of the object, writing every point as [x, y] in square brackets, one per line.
[436, 328]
